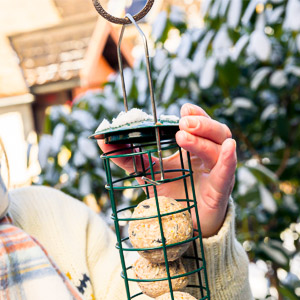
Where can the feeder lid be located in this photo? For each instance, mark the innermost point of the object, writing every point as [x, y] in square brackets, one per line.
[137, 131]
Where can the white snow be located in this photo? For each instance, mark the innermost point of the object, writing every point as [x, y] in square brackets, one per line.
[278, 79]
[223, 7]
[274, 14]
[79, 159]
[291, 69]
[268, 112]
[168, 87]
[84, 118]
[184, 46]
[44, 149]
[134, 115]
[199, 56]
[57, 137]
[128, 80]
[260, 45]
[159, 59]
[292, 20]
[221, 45]
[234, 13]
[205, 6]
[250, 10]
[104, 125]
[181, 67]
[259, 76]
[159, 25]
[257, 277]
[177, 15]
[171, 118]
[298, 41]
[85, 184]
[208, 73]
[239, 46]
[241, 102]
[88, 148]
[267, 199]
[215, 8]
[246, 180]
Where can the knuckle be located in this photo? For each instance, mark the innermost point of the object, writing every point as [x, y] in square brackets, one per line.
[203, 145]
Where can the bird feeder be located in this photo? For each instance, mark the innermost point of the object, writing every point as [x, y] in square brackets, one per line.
[146, 143]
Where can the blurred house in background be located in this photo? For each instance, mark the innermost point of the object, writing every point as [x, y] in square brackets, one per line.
[62, 60]
[51, 51]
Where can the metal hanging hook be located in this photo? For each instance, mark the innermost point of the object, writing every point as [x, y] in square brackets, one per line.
[129, 19]
[123, 21]
[146, 49]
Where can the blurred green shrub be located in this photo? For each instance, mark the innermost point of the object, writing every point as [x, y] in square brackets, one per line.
[243, 68]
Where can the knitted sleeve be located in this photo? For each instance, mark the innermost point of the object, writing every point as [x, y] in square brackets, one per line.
[227, 263]
[104, 263]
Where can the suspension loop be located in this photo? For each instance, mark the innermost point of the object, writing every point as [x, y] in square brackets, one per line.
[122, 21]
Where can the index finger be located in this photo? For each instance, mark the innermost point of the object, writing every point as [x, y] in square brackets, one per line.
[189, 109]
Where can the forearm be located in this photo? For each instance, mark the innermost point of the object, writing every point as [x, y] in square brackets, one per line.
[227, 263]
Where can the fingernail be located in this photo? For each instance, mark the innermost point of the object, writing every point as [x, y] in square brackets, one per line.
[183, 135]
[191, 123]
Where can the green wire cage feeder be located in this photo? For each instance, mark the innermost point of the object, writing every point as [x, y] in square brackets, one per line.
[145, 144]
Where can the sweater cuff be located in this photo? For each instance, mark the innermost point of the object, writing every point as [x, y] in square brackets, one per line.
[227, 262]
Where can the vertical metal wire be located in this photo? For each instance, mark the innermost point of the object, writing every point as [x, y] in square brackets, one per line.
[188, 203]
[161, 229]
[120, 61]
[116, 222]
[146, 48]
[199, 227]
[144, 171]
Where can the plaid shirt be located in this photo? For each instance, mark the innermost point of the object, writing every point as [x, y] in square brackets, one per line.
[26, 270]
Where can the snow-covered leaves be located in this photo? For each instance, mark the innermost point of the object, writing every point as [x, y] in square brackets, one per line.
[208, 73]
[234, 13]
[292, 20]
[260, 45]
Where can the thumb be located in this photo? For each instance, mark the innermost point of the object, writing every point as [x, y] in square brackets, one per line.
[222, 175]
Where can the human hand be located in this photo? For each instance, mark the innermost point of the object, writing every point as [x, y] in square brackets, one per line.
[213, 160]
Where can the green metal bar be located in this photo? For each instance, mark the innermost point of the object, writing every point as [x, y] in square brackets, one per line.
[152, 217]
[161, 229]
[144, 171]
[113, 204]
[107, 186]
[108, 154]
[138, 294]
[164, 278]
[139, 174]
[199, 228]
[133, 206]
[184, 179]
[188, 204]
[155, 248]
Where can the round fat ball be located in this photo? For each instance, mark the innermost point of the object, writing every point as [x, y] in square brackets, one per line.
[145, 233]
[144, 269]
[177, 296]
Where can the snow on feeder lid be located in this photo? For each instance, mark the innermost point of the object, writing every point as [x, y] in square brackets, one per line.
[136, 126]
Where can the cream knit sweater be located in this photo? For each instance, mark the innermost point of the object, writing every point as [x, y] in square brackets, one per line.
[83, 246]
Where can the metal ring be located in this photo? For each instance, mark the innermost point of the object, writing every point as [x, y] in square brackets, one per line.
[123, 21]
